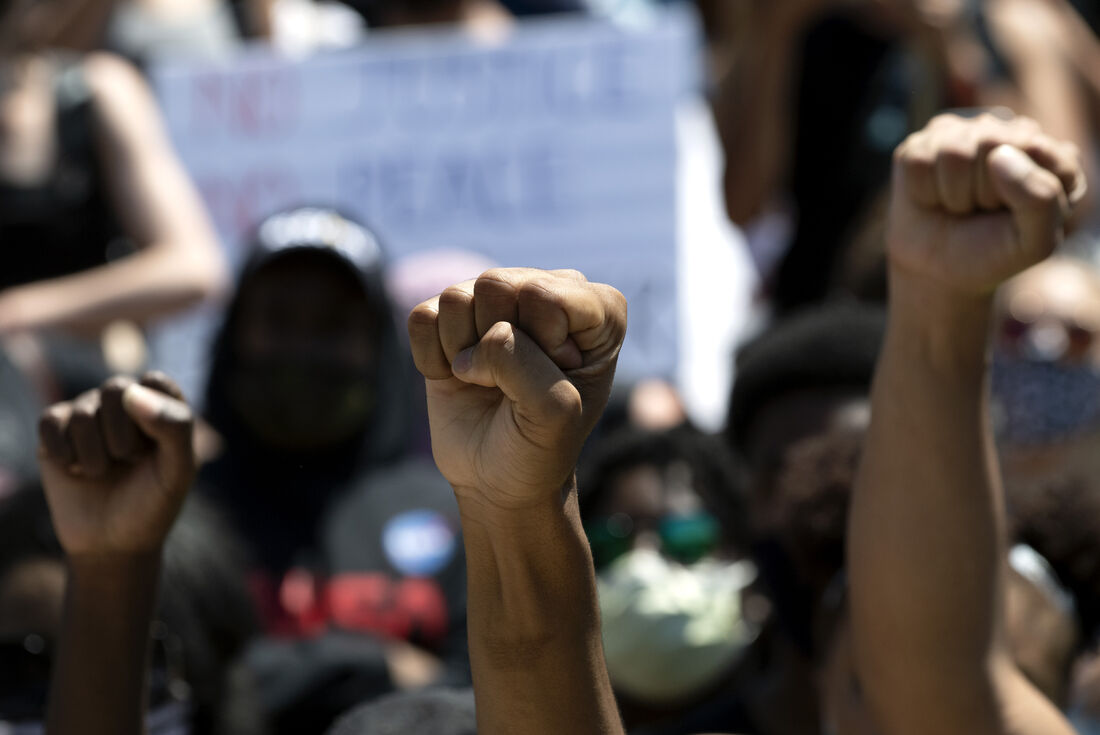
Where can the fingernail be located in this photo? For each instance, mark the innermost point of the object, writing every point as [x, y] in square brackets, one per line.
[463, 361]
[139, 399]
[1012, 160]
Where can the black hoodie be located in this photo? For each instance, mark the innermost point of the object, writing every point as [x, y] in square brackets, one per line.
[352, 545]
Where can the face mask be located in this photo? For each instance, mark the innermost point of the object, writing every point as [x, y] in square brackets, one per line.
[669, 631]
[301, 405]
[1041, 402]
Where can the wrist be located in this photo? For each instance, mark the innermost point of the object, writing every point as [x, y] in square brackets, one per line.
[940, 327]
[539, 561]
[482, 509]
[114, 568]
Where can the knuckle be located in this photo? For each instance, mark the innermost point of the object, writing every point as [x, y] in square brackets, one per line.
[158, 376]
[179, 415]
[54, 414]
[423, 318]
[564, 402]
[1044, 188]
[954, 155]
[454, 297]
[500, 338]
[541, 291]
[572, 274]
[494, 276]
[945, 119]
[1025, 124]
[117, 384]
[919, 164]
[82, 415]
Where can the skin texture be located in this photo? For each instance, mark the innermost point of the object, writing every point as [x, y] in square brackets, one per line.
[973, 203]
[116, 465]
[519, 366]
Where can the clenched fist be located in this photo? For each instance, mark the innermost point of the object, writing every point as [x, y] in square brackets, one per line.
[976, 201]
[519, 364]
[117, 463]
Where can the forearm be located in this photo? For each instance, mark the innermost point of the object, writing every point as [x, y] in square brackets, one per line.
[98, 681]
[926, 537]
[534, 628]
[754, 109]
[150, 283]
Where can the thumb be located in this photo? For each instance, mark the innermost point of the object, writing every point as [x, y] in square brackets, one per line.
[169, 423]
[1034, 195]
[507, 359]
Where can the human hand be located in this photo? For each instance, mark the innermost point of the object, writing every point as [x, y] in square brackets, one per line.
[519, 364]
[976, 201]
[117, 463]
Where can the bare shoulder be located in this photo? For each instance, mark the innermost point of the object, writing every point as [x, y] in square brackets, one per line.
[113, 80]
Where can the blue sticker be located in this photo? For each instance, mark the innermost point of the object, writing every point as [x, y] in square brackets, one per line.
[419, 543]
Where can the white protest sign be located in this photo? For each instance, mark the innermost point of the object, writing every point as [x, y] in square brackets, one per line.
[553, 147]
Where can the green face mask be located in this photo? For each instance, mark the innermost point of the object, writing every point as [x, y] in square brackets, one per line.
[299, 405]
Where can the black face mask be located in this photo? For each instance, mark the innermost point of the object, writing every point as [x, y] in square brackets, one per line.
[301, 405]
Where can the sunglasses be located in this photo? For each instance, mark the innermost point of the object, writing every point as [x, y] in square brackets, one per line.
[683, 538]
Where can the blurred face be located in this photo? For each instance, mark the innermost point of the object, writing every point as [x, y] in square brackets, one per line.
[305, 351]
[1046, 377]
[650, 507]
[796, 416]
[670, 604]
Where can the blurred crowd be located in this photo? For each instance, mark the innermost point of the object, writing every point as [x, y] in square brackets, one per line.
[316, 579]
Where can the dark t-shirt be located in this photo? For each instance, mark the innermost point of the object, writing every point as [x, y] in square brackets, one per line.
[382, 561]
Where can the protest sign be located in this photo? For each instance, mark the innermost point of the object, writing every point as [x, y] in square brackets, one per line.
[552, 147]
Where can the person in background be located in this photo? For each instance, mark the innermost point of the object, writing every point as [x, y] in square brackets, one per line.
[815, 155]
[1046, 376]
[356, 559]
[1060, 526]
[98, 218]
[801, 387]
[663, 514]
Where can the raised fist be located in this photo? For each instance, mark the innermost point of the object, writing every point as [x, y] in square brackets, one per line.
[976, 201]
[519, 365]
[117, 463]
